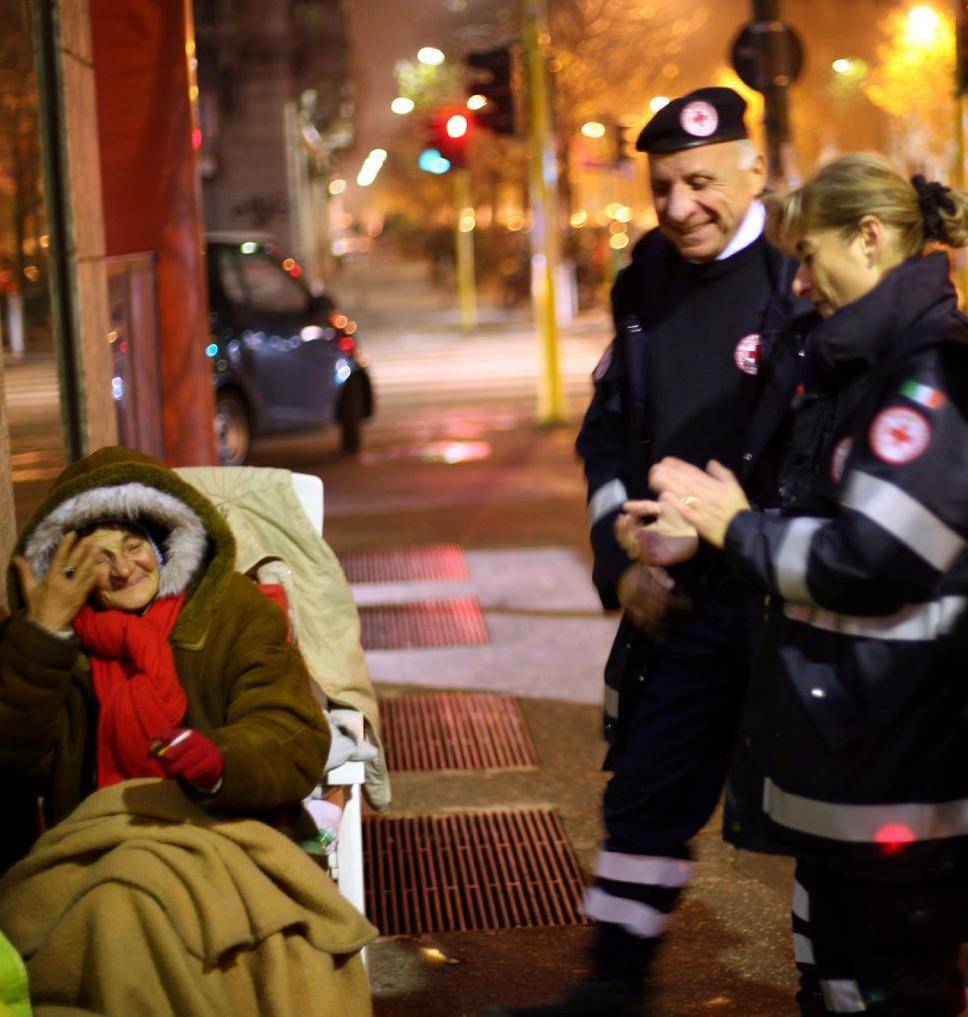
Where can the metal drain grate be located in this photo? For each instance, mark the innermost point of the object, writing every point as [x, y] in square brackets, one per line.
[455, 731]
[443, 561]
[470, 871]
[456, 622]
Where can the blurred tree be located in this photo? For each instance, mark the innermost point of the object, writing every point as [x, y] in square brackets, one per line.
[914, 84]
[613, 56]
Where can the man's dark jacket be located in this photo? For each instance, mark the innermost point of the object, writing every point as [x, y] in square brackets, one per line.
[615, 442]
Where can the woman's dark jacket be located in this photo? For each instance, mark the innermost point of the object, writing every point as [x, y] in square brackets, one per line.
[854, 743]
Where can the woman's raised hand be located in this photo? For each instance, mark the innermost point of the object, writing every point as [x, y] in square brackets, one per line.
[54, 600]
[708, 500]
[667, 540]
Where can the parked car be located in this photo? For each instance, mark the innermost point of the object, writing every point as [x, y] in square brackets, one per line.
[283, 359]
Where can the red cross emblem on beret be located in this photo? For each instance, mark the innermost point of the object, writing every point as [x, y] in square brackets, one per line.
[699, 119]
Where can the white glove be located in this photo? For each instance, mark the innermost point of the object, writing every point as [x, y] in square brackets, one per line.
[348, 741]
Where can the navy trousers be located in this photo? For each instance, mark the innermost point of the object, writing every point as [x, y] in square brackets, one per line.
[679, 715]
[670, 762]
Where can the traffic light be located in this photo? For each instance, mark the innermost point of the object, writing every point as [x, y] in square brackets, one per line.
[447, 136]
[961, 67]
[490, 78]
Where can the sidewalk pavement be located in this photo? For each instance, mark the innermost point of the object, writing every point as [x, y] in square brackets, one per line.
[728, 950]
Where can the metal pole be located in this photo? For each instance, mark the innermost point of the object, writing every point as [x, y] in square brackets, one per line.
[961, 87]
[543, 164]
[776, 117]
[464, 248]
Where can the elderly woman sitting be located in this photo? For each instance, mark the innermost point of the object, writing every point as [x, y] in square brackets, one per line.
[135, 650]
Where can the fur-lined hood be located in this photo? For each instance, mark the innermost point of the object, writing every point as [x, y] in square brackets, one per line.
[123, 484]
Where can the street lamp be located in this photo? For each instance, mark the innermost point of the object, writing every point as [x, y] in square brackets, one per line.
[593, 129]
[430, 55]
[923, 23]
[476, 102]
[402, 105]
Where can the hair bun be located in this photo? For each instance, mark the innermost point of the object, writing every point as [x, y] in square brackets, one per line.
[933, 199]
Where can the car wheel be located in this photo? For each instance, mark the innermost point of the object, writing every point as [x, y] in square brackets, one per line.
[351, 411]
[232, 429]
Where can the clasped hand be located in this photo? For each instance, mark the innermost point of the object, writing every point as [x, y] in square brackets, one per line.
[646, 590]
[706, 500]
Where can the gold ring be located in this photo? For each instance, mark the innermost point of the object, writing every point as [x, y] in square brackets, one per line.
[690, 499]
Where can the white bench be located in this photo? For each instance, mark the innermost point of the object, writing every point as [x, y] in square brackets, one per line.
[348, 867]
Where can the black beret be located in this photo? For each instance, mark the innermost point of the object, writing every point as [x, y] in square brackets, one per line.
[704, 117]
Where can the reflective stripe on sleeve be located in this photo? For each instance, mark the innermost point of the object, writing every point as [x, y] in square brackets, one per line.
[646, 870]
[790, 564]
[639, 919]
[842, 995]
[866, 824]
[914, 622]
[606, 499]
[611, 702]
[905, 518]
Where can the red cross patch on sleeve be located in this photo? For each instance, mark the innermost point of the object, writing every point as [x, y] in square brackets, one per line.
[899, 435]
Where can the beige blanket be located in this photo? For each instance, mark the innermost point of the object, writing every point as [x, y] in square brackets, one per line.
[139, 903]
[266, 519]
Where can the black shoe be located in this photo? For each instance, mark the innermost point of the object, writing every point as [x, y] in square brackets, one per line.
[812, 1005]
[587, 999]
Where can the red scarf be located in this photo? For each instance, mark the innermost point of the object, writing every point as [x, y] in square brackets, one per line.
[136, 685]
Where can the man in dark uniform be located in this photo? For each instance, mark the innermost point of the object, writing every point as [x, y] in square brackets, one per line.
[696, 313]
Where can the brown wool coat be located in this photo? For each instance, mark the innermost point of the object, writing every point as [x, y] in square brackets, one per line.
[247, 688]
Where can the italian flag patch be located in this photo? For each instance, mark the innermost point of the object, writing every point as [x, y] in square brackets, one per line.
[923, 395]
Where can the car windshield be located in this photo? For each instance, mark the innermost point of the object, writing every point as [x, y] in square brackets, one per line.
[259, 282]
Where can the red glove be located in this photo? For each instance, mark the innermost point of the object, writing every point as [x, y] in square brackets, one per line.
[187, 754]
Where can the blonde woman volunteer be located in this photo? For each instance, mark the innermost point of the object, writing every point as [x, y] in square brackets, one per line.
[854, 747]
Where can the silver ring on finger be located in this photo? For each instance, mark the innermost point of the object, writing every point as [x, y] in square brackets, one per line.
[69, 571]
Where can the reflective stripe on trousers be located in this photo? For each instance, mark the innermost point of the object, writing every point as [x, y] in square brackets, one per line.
[636, 892]
[842, 995]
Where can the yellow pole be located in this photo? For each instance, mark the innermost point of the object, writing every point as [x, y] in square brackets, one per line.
[464, 225]
[543, 163]
[959, 182]
[961, 57]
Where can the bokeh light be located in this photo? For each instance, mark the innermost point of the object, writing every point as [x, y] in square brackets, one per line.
[431, 56]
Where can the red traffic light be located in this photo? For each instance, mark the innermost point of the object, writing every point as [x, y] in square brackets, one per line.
[448, 133]
[456, 126]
